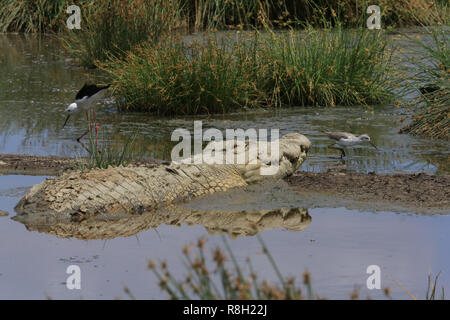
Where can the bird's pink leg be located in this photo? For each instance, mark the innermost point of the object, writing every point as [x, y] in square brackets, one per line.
[90, 127]
[96, 128]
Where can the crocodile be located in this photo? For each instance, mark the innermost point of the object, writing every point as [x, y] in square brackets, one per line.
[76, 195]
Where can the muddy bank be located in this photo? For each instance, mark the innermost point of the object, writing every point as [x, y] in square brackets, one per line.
[44, 165]
[35, 165]
[418, 192]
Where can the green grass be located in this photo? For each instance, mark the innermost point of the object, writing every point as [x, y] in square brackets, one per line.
[104, 154]
[117, 26]
[177, 78]
[432, 69]
[254, 69]
[327, 67]
[33, 16]
[50, 15]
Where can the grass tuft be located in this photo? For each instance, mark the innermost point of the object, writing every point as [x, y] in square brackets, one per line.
[105, 155]
[254, 69]
[118, 26]
[200, 15]
[432, 80]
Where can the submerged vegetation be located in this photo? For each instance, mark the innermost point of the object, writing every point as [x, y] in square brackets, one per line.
[314, 67]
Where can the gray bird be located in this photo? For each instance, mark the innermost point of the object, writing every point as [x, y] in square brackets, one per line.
[345, 139]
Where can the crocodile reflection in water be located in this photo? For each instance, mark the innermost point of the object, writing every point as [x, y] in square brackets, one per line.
[232, 223]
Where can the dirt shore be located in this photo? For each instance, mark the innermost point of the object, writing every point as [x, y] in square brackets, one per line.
[43, 165]
[35, 165]
[417, 192]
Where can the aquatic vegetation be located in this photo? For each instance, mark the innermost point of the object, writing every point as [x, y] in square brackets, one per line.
[107, 155]
[432, 120]
[328, 67]
[117, 26]
[432, 80]
[432, 289]
[47, 16]
[254, 69]
[34, 16]
[178, 78]
[104, 155]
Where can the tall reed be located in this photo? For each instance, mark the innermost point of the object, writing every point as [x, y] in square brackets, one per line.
[199, 15]
[254, 69]
[432, 79]
[105, 153]
[33, 16]
[117, 26]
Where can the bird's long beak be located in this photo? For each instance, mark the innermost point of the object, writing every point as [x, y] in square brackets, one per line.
[373, 145]
[67, 119]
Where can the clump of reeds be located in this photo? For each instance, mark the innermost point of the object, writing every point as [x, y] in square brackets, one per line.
[34, 16]
[117, 26]
[432, 120]
[257, 69]
[432, 78]
[233, 283]
[328, 67]
[178, 78]
[105, 154]
[199, 15]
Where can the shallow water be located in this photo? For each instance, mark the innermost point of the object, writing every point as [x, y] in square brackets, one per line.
[336, 247]
[37, 82]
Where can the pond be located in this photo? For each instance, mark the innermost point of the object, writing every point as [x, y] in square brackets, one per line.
[37, 82]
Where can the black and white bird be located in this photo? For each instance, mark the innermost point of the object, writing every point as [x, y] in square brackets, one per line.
[345, 139]
[84, 101]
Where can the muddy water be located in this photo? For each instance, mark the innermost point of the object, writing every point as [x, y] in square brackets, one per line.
[37, 82]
